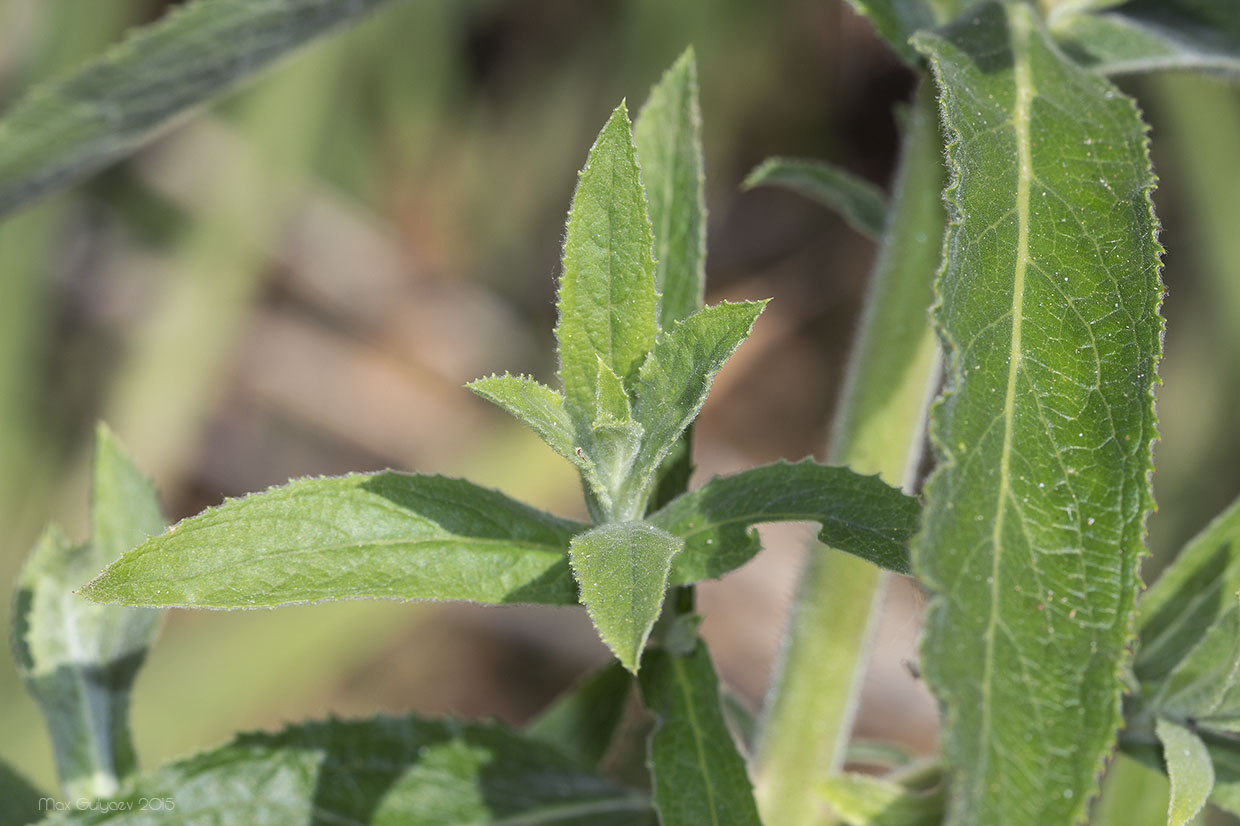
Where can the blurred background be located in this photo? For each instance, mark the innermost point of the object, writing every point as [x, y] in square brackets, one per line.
[300, 280]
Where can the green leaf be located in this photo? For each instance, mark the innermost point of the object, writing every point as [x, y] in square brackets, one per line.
[607, 299]
[583, 721]
[1190, 769]
[1155, 35]
[1225, 759]
[699, 777]
[380, 771]
[864, 800]
[536, 405]
[383, 535]
[80, 660]
[896, 21]
[1034, 521]
[673, 384]
[861, 204]
[622, 570]
[1203, 685]
[668, 135]
[859, 514]
[64, 131]
[19, 801]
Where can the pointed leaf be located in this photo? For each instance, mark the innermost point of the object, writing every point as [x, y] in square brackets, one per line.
[382, 771]
[583, 721]
[622, 569]
[1034, 521]
[383, 535]
[19, 801]
[861, 204]
[699, 776]
[864, 800]
[63, 132]
[859, 514]
[536, 405]
[896, 21]
[1190, 769]
[607, 300]
[668, 135]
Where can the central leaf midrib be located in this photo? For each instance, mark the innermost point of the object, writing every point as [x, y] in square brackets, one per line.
[678, 669]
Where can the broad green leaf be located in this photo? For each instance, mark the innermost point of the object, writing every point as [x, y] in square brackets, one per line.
[19, 801]
[80, 660]
[859, 514]
[64, 131]
[1133, 794]
[673, 384]
[1190, 769]
[621, 568]
[699, 777]
[865, 800]
[380, 771]
[1155, 35]
[1034, 521]
[668, 135]
[583, 721]
[607, 299]
[860, 203]
[383, 535]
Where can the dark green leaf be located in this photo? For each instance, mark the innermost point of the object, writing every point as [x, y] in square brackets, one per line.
[62, 132]
[1225, 758]
[622, 570]
[384, 535]
[19, 801]
[582, 722]
[699, 777]
[1035, 519]
[859, 514]
[669, 145]
[379, 771]
[1190, 769]
[861, 204]
[896, 21]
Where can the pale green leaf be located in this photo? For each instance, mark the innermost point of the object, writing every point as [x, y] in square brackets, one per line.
[536, 405]
[80, 660]
[1203, 687]
[383, 535]
[607, 299]
[621, 568]
[699, 776]
[668, 135]
[19, 801]
[1190, 769]
[860, 203]
[1156, 35]
[673, 384]
[384, 771]
[1034, 521]
[865, 800]
[859, 514]
[584, 720]
[65, 131]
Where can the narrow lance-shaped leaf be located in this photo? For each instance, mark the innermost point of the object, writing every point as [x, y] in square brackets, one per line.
[19, 801]
[859, 514]
[913, 797]
[385, 535]
[1190, 769]
[860, 203]
[64, 131]
[538, 406]
[668, 135]
[622, 570]
[1034, 521]
[80, 660]
[583, 721]
[383, 770]
[699, 776]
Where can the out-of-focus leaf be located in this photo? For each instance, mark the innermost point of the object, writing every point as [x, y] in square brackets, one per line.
[19, 801]
[80, 660]
[896, 21]
[622, 570]
[384, 535]
[699, 777]
[64, 131]
[1155, 35]
[668, 135]
[1190, 769]
[1225, 759]
[865, 800]
[861, 204]
[1034, 521]
[859, 514]
[582, 722]
[379, 771]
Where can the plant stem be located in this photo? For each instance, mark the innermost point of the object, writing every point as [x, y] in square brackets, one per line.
[878, 429]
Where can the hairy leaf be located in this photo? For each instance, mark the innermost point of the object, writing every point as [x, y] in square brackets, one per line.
[536, 405]
[859, 514]
[1190, 769]
[668, 135]
[622, 570]
[583, 721]
[699, 777]
[860, 203]
[385, 535]
[65, 131]
[379, 771]
[1034, 521]
[607, 299]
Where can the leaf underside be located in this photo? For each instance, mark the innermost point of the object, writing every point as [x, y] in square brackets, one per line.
[1034, 522]
[860, 203]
